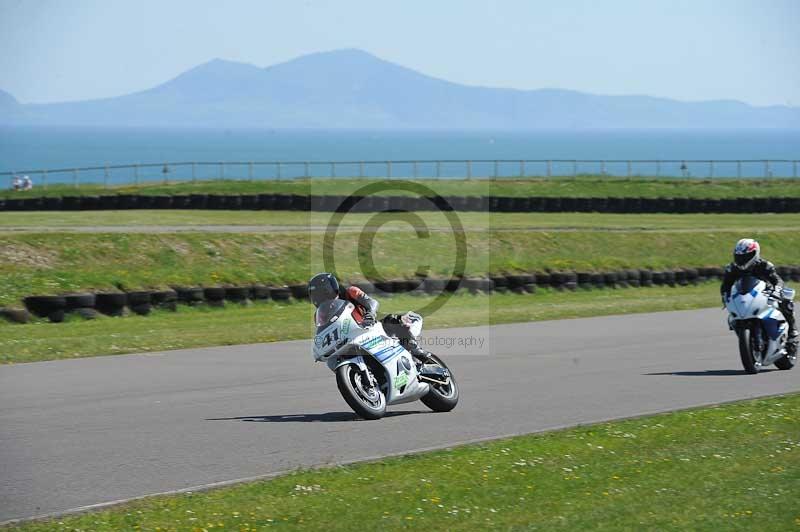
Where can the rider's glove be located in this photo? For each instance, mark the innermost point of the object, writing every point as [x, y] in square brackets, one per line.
[368, 320]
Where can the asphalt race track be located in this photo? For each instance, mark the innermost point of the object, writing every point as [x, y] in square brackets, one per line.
[87, 431]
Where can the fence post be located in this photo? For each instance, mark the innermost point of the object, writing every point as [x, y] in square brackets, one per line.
[602, 168]
[136, 173]
[766, 168]
[658, 168]
[549, 169]
[495, 169]
[629, 169]
[469, 169]
[388, 168]
[333, 169]
[361, 169]
[739, 169]
[222, 170]
[105, 177]
[278, 170]
[44, 179]
[574, 168]
[438, 168]
[415, 169]
[522, 168]
[305, 169]
[710, 168]
[250, 171]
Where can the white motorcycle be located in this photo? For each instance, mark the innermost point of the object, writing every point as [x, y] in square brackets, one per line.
[374, 370]
[761, 327]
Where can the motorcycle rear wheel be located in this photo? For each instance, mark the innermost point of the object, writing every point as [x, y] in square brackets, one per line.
[441, 398]
[366, 400]
[751, 360]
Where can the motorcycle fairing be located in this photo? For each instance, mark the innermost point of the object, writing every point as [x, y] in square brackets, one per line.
[748, 301]
[356, 360]
[339, 342]
[774, 323]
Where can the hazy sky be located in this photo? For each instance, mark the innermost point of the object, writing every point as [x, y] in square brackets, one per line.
[53, 50]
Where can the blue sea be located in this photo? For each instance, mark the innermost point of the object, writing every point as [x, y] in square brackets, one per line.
[26, 150]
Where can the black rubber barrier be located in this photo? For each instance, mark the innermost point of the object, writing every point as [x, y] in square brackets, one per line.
[280, 294]
[112, 303]
[237, 294]
[15, 315]
[76, 301]
[259, 292]
[43, 306]
[189, 295]
[54, 307]
[286, 202]
[165, 299]
[299, 291]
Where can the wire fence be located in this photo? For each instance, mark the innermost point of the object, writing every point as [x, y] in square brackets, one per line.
[135, 174]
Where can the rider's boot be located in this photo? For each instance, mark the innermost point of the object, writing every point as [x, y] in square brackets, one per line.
[793, 334]
[787, 308]
[794, 337]
[419, 354]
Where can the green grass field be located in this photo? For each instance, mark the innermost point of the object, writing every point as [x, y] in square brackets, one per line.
[730, 467]
[582, 186]
[49, 263]
[148, 220]
[269, 322]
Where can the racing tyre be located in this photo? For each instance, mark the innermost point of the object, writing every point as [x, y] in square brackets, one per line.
[364, 397]
[441, 398]
[751, 359]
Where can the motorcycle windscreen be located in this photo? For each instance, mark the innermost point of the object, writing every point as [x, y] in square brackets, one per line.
[328, 312]
[746, 284]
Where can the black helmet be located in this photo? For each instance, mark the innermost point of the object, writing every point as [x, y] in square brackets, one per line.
[323, 287]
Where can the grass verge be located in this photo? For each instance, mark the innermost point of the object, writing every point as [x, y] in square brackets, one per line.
[47, 263]
[267, 322]
[150, 220]
[581, 186]
[730, 467]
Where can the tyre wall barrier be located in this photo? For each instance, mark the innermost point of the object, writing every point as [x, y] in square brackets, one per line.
[89, 304]
[286, 202]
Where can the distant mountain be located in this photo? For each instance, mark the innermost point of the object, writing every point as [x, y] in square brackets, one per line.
[353, 89]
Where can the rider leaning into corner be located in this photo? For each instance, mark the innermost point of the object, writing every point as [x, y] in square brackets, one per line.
[324, 287]
[747, 261]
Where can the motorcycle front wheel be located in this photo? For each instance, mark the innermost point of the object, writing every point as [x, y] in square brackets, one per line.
[363, 396]
[441, 398]
[751, 357]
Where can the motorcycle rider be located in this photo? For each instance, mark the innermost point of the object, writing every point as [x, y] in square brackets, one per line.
[324, 287]
[747, 261]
